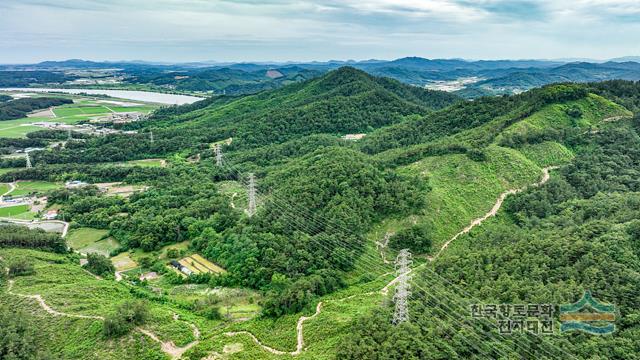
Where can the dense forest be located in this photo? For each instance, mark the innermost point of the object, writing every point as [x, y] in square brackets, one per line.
[22, 237]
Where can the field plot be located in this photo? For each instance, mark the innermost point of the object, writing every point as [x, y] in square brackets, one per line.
[146, 163]
[17, 212]
[123, 262]
[80, 110]
[120, 189]
[33, 187]
[83, 109]
[88, 240]
[198, 265]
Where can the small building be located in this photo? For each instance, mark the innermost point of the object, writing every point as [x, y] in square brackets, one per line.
[50, 215]
[181, 267]
[75, 184]
[149, 276]
[353, 137]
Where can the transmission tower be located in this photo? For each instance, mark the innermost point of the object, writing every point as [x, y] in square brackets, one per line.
[218, 155]
[252, 195]
[151, 136]
[28, 161]
[401, 297]
[69, 137]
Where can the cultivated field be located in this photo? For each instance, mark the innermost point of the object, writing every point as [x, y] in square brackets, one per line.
[88, 240]
[198, 264]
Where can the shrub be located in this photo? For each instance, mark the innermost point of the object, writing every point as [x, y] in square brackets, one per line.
[99, 265]
[476, 155]
[417, 239]
[129, 314]
[173, 253]
[21, 268]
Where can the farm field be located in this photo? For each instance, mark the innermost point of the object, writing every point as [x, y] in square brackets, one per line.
[123, 262]
[31, 187]
[88, 240]
[17, 212]
[198, 264]
[83, 108]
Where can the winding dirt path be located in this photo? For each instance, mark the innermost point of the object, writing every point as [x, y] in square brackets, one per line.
[167, 347]
[12, 186]
[233, 196]
[494, 210]
[46, 307]
[385, 290]
[299, 331]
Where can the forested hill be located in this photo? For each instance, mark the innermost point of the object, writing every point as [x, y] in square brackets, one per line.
[343, 101]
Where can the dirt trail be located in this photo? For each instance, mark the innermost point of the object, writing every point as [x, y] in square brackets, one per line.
[233, 196]
[494, 209]
[47, 308]
[12, 186]
[169, 347]
[615, 118]
[385, 290]
[299, 330]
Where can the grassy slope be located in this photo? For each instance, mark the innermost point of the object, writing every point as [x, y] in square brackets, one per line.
[88, 240]
[464, 189]
[67, 288]
[29, 187]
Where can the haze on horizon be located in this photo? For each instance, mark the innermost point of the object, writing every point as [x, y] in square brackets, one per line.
[299, 30]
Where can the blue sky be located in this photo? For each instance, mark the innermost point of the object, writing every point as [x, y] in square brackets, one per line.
[298, 30]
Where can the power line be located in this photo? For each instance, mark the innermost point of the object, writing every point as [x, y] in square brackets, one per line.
[251, 210]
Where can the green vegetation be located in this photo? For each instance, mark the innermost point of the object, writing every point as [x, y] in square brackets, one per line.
[23, 237]
[19, 108]
[19, 336]
[88, 240]
[18, 211]
[128, 315]
[33, 187]
[430, 166]
[99, 265]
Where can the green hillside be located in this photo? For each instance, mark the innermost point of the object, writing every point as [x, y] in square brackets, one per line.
[479, 191]
[343, 101]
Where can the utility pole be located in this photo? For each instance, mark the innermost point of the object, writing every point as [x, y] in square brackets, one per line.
[252, 195]
[28, 161]
[401, 297]
[218, 155]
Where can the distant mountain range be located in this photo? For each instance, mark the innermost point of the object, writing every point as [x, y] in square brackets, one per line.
[468, 78]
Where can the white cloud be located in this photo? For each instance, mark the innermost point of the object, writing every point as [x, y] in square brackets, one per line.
[320, 29]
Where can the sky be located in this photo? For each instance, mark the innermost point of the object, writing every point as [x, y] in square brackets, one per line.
[306, 30]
